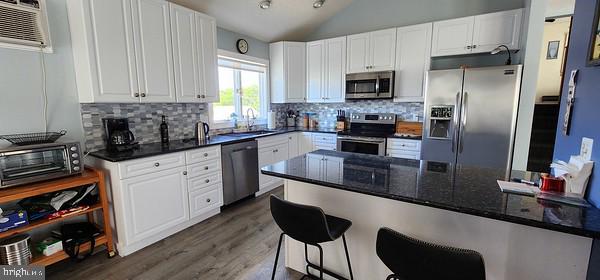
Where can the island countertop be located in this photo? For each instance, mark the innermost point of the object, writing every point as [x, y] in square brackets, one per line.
[464, 189]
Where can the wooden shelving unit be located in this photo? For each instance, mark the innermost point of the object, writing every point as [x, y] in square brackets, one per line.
[89, 176]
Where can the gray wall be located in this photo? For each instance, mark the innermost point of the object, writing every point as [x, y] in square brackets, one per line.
[21, 84]
[369, 15]
[226, 40]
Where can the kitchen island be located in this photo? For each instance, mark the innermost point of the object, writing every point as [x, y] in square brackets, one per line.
[518, 236]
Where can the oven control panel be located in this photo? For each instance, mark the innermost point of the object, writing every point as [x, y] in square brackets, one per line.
[380, 118]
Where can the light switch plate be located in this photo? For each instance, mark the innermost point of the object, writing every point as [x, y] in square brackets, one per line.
[586, 148]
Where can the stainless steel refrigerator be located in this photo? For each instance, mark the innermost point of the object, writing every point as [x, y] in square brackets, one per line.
[470, 116]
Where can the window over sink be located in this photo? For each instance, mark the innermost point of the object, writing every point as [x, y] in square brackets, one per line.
[242, 87]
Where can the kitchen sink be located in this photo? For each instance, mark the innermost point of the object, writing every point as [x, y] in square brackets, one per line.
[249, 133]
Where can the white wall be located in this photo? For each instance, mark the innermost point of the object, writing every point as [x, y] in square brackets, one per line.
[21, 103]
[535, 11]
[550, 75]
[226, 40]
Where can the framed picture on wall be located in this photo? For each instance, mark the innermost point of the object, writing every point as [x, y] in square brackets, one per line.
[594, 52]
[552, 52]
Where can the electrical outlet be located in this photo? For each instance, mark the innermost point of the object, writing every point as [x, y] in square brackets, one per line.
[586, 148]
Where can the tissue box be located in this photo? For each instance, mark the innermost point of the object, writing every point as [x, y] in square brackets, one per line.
[13, 218]
[49, 246]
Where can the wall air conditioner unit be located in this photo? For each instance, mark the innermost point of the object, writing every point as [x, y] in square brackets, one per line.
[24, 25]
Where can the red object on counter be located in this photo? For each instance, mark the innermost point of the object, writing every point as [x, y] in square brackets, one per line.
[552, 184]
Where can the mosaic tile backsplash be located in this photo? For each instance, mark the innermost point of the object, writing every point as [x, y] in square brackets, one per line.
[144, 120]
[327, 112]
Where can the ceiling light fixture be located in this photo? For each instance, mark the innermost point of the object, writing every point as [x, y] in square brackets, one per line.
[318, 4]
[265, 4]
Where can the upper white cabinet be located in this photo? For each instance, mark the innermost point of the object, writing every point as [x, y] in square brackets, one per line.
[194, 55]
[477, 34]
[326, 66]
[288, 72]
[371, 51]
[413, 48]
[131, 51]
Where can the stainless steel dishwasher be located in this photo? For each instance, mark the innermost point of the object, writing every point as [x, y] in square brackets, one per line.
[240, 170]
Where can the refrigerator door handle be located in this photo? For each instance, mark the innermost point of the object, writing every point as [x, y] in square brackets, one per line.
[455, 123]
[463, 116]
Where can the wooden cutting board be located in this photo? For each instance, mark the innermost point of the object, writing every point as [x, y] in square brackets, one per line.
[409, 128]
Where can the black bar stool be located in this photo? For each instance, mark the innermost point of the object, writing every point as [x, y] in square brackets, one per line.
[310, 225]
[412, 259]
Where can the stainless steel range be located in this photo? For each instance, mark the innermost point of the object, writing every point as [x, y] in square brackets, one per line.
[367, 134]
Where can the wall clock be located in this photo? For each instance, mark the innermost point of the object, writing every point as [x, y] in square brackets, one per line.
[242, 46]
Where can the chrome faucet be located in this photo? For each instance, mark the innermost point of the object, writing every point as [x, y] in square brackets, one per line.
[250, 122]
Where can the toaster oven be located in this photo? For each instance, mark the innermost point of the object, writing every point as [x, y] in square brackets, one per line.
[33, 163]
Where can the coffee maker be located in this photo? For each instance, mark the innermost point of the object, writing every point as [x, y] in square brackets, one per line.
[118, 136]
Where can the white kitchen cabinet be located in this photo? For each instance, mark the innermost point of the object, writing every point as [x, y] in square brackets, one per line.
[320, 167]
[326, 64]
[154, 50]
[403, 148]
[130, 51]
[371, 51]
[305, 143]
[194, 55]
[477, 34]
[413, 49]
[154, 203]
[271, 149]
[324, 141]
[293, 144]
[288, 72]
[492, 30]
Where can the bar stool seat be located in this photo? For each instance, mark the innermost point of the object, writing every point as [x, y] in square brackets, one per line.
[412, 259]
[311, 226]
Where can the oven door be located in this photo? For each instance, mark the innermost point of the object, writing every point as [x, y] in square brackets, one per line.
[28, 166]
[361, 145]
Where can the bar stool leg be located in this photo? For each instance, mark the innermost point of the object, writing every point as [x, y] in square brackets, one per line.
[277, 256]
[347, 256]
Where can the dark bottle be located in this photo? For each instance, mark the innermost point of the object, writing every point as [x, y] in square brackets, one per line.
[164, 130]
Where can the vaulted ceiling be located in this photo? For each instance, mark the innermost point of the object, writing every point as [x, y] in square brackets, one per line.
[285, 20]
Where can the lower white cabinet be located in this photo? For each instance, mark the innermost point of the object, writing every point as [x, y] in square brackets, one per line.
[155, 197]
[271, 150]
[403, 148]
[154, 203]
[320, 167]
[305, 143]
[324, 141]
[294, 144]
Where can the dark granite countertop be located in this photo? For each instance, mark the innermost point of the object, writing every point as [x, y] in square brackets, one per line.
[154, 149]
[464, 189]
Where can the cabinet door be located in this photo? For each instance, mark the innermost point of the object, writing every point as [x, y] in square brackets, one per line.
[154, 52]
[189, 78]
[265, 157]
[207, 29]
[315, 71]
[382, 50]
[306, 144]
[357, 52]
[113, 55]
[295, 71]
[413, 48]
[293, 145]
[334, 171]
[154, 202]
[492, 30]
[335, 74]
[314, 167]
[452, 37]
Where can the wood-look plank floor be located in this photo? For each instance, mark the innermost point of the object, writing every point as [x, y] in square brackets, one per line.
[239, 243]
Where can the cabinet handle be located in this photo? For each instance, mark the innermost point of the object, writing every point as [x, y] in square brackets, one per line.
[468, 47]
[184, 172]
[205, 154]
[290, 138]
[143, 94]
[203, 96]
[207, 181]
[137, 94]
[474, 46]
[156, 164]
[208, 200]
[206, 168]
[275, 151]
[199, 96]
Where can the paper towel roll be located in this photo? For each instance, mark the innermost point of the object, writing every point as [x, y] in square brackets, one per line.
[271, 120]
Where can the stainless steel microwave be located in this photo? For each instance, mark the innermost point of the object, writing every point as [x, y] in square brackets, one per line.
[33, 163]
[370, 85]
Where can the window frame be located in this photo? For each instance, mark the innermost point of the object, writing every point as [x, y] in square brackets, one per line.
[265, 97]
